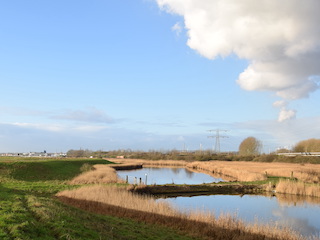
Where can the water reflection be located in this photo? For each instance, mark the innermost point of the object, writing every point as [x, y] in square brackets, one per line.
[298, 215]
[295, 200]
[154, 175]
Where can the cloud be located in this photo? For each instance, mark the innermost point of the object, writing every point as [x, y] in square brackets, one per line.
[280, 103]
[45, 127]
[284, 114]
[89, 115]
[280, 40]
[49, 127]
[177, 28]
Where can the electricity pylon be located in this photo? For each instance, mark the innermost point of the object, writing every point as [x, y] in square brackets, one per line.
[217, 137]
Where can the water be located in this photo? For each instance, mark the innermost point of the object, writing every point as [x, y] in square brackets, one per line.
[300, 215]
[166, 176]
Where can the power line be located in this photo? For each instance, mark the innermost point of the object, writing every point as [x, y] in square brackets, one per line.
[217, 137]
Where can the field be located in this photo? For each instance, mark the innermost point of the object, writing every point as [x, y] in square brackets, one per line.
[30, 210]
[36, 198]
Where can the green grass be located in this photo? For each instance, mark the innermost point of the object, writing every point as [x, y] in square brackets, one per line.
[29, 210]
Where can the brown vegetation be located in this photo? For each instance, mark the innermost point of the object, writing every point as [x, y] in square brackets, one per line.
[298, 188]
[250, 146]
[119, 202]
[100, 174]
[235, 170]
[310, 145]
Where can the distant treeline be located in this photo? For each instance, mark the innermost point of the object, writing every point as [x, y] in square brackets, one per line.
[191, 156]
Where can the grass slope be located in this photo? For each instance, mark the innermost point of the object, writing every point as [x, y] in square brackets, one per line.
[29, 210]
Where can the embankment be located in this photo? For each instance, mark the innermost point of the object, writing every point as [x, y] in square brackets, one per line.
[178, 190]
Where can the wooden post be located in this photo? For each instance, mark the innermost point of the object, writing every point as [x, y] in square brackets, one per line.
[127, 179]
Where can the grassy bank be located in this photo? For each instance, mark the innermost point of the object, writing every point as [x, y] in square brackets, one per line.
[29, 209]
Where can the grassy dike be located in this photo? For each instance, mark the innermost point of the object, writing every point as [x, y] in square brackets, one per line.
[30, 210]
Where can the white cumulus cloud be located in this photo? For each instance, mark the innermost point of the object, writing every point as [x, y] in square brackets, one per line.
[280, 40]
[286, 114]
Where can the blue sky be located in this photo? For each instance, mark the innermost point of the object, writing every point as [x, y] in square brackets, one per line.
[142, 75]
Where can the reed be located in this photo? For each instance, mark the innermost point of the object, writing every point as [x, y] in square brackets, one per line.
[120, 202]
[100, 174]
[234, 170]
[298, 188]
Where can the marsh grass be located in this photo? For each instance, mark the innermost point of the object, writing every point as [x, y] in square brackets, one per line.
[298, 188]
[121, 202]
[100, 173]
[234, 170]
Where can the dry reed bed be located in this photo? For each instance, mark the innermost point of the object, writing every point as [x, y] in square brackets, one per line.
[120, 202]
[298, 188]
[252, 171]
[234, 170]
[100, 174]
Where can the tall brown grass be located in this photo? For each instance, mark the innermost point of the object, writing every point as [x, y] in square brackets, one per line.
[120, 202]
[100, 174]
[233, 170]
[309, 173]
[298, 188]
